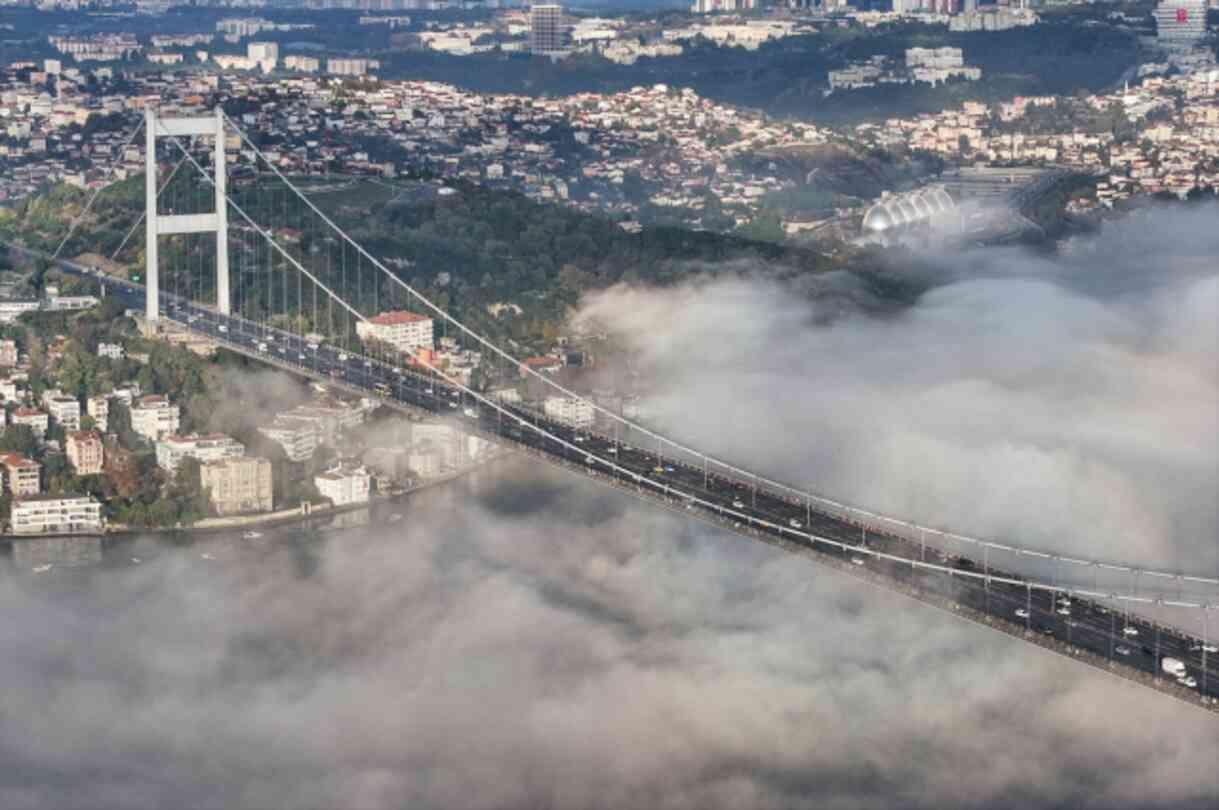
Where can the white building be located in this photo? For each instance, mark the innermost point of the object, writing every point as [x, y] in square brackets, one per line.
[211, 447]
[405, 331]
[65, 410]
[56, 514]
[265, 54]
[571, 411]
[548, 30]
[98, 408]
[344, 485]
[37, 421]
[114, 351]
[1180, 24]
[154, 417]
[298, 437]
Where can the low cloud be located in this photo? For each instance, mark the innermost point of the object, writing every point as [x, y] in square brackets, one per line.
[584, 651]
[1067, 403]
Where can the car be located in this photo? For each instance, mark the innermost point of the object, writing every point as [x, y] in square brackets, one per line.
[1064, 611]
[1022, 613]
[301, 356]
[857, 561]
[1047, 631]
[367, 364]
[1188, 680]
[281, 350]
[613, 451]
[658, 470]
[251, 535]
[1129, 630]
[429, 390]
[454, 405]
[669, 468]
[579, 439]
[342, 357]
[222, 328]
[262, 347]
[590, 460]
[1064, 601]
[1210, 648]
[795, 524]
[738, 504]
[1122, 649]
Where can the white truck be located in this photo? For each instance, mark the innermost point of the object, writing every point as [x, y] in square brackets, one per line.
[1174, 667]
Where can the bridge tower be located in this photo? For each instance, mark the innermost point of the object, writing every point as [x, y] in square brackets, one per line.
[155, 224]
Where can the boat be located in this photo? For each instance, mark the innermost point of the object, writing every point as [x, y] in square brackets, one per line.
[42, 569]
[395, 517]
[251, 535]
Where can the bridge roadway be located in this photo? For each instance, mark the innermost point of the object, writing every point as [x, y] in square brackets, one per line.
[1102, 635]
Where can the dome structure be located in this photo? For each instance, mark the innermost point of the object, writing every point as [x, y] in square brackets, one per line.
[909, 209]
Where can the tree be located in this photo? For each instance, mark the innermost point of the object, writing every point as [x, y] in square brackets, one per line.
[19, 439]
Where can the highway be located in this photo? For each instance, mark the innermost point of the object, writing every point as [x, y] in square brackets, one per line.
[1126, 642]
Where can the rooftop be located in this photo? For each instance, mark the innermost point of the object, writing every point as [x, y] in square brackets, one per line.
[397, 317]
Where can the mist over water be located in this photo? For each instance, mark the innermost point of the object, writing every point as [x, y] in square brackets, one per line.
[524, 639]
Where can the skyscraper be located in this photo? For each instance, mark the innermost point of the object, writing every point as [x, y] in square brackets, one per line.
[1180, 24]
[547, 30]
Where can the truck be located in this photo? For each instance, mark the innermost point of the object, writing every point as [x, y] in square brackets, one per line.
[1173, 666]
[313, 340]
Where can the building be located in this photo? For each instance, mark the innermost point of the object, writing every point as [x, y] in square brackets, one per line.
[56, 514]
[548, 35]
[154, 416]
[929, 205]
[264, 54]
[36, 420]
[405, 331]
[240, 484]
[114, 351]
[344, 486]
[298, 437]
[1180, 24]
[350, 67]
[65, 411]
[8, 353]
[571, 411]
[22, 476]
[84, 449]
[713, 6]
[98, 408]
[210, 447]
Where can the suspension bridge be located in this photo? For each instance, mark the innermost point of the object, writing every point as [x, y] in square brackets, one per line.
[234, 250]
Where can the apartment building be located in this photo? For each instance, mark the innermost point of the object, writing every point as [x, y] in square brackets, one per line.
[37, 421]
[22, 476]
[204, 448]
[64, 410]
[344, 486]
[405, 331]
[237, 485]
[56, 514]
[572, 411]
[98, 408]
[298, 437]
[154, 417]
[85, 451]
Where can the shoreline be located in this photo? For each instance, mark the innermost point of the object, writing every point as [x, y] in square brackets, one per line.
[272, 520]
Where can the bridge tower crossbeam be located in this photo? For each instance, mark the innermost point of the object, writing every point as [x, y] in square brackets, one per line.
[157, 225]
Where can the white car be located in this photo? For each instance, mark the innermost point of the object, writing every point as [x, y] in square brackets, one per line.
[1210, 648]
[1064, 611]
[342, 358]
[579, 440]
[1022, 613]
[1130, 630]
[1122, 649]
[795, 524]
[590, 460]
[857, 561]
[738, 504]
[613, 451]
[1188, 680]
[223, 328]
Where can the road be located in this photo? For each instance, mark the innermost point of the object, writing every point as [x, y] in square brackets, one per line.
[1090, 628]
